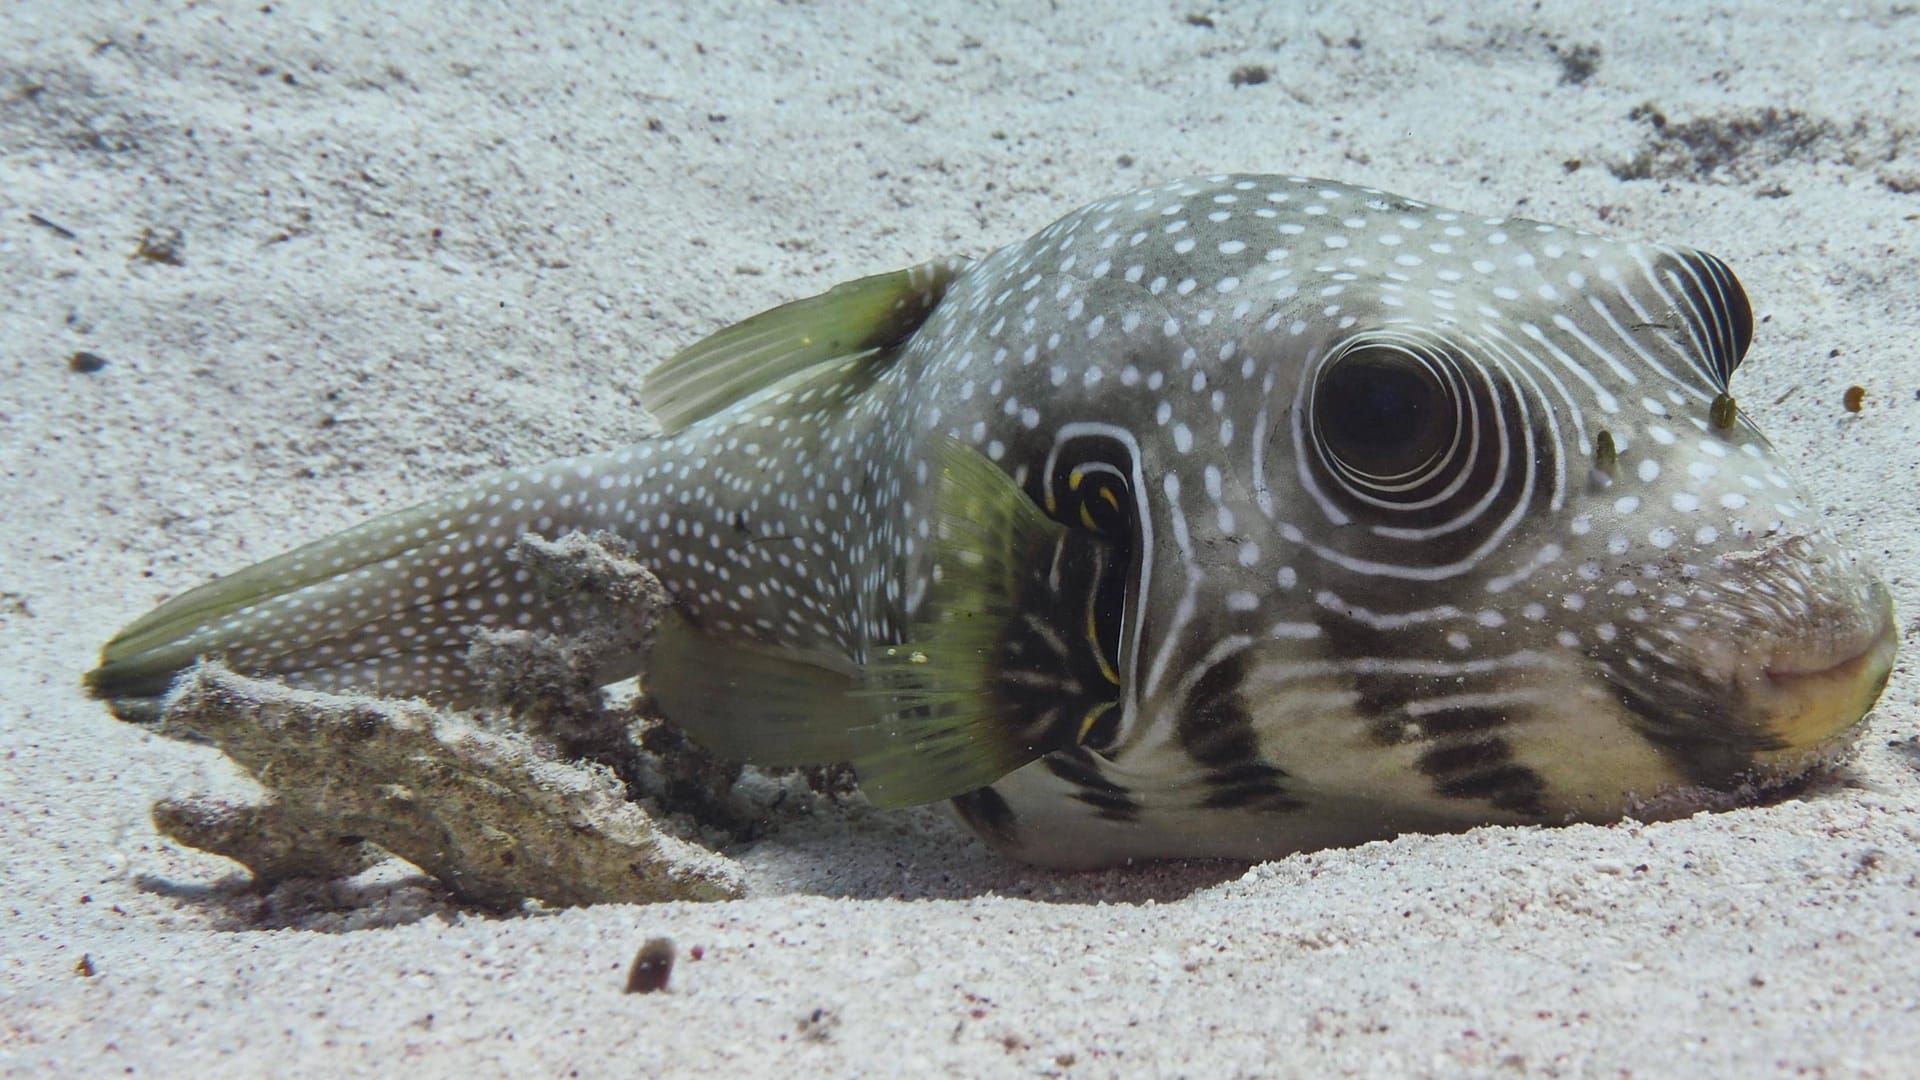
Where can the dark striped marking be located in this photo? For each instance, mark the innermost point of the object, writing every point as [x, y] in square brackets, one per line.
[1484, 769]
[1722, 315]
[1705, 730]
[1092, 786]
[1216, 730]
[986, 812]
[1250, 786]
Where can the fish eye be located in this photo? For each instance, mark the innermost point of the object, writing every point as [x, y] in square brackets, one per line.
[1383, 415]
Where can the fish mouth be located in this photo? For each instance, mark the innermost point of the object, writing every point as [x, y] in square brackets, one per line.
[1815, 701]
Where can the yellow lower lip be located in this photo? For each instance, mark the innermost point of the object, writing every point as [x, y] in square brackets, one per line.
[1816, 707]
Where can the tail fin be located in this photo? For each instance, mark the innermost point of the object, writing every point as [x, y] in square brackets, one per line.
[387, 606]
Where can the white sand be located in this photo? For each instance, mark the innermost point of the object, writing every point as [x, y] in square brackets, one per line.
[421, 247]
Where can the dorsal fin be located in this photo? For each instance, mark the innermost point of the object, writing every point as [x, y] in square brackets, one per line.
[855, 317]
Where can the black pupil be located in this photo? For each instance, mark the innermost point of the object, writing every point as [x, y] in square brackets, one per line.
[1380, 413]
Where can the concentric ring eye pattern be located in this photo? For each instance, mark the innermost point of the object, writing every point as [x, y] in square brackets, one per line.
[1426, 445]
[1392, 418]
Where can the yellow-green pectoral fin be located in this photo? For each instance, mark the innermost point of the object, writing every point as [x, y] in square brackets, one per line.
[847, 322]
[1002, 667]
[754, 704]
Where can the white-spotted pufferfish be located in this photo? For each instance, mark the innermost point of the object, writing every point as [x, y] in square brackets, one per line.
[1229, 517]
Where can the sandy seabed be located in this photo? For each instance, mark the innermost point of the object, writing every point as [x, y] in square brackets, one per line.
[413, 247]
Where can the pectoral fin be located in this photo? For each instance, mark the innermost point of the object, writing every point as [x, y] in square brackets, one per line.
[753, 704]
[1006, 663]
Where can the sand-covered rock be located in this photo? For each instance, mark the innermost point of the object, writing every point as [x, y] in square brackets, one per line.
[494, 815]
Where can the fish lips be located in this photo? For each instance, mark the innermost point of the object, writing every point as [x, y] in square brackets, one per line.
[1813, 700]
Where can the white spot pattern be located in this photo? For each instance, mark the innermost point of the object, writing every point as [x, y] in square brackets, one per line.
[1195, 323]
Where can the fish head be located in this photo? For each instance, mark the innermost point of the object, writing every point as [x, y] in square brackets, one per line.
[1459, 519]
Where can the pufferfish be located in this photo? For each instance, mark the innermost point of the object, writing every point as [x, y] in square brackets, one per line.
[1231, 517]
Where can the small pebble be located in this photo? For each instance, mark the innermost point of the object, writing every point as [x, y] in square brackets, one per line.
[652, 967]
[163, 244]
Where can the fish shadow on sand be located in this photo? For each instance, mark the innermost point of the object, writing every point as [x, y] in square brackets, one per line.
[379, 813]
[859, 853]
[856, 854]
[836, 849]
